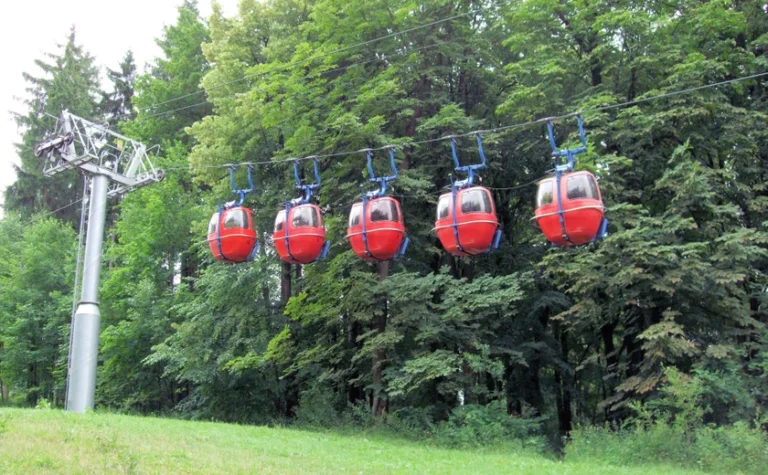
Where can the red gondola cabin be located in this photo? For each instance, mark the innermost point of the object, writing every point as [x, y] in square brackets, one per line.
[476, 221]
[582, 209]
[384, 229]
[231, 236]
[306, 235]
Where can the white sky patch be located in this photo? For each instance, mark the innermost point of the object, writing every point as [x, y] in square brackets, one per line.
[106, 29]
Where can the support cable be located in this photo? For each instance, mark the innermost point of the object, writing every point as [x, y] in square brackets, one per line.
[319, 74]
[278, 160]
[503, 128]
[324, 55]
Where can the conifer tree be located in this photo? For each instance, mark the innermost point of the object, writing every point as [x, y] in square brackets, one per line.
[117, 105]
[69, 81]
[155, 254]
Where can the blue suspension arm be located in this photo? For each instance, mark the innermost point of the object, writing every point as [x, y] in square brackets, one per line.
[468, 169]
[382, 181]
[306, 188]
[241, 193]
[569, 153]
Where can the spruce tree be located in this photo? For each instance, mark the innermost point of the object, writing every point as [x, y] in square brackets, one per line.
[69, 81]
[117, 105]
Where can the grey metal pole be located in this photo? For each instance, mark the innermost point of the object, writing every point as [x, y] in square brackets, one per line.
[85, 326]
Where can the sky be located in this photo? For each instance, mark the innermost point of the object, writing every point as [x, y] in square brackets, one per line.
[105, 28]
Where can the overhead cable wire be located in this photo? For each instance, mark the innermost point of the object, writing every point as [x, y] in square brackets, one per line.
[321, 73]
[42, 216]
[278, 160]
[503, 128]
[324, 55]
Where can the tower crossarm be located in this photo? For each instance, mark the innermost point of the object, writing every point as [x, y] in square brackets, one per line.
[80, 143]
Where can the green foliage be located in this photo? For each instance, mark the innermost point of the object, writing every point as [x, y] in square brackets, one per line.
[659, 329]
[69, 81]
[725, 449]
[217, 348]
[36, 273]
[320, 407]
[487, 425]
[4, 422]
[117, 105]
[154, 254]
[672, 428]
[680, 402]
[174, 75]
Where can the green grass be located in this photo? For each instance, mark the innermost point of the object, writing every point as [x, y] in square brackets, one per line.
[49, 441]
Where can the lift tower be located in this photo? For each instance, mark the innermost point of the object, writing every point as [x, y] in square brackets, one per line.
[115, 165]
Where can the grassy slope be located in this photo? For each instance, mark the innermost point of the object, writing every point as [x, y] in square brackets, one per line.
[41, 441]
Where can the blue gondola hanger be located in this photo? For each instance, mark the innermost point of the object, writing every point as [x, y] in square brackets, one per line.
[382, 180]
[306, 188]
[468, 169]
[240, 192]
[569, 153]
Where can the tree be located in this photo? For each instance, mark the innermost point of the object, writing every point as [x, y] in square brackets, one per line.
[69, 81]
[409, 87]
[669, 172]
[156, 249]
[36, 273]
[117, 105]
[169, 97]
[569, 336]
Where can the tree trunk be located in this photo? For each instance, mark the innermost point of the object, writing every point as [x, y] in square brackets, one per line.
[610, 353]
[563, 386]
[611, 364]
[470, 378]
[631, 91]
[3, 392]
[298, 273]
[567, 417]
[355, 393]
[380, 401]
[265, 292]
[285, 283]
[468, 270]
[32, 383]
[634, 346]
[189, 267]
[523, 385]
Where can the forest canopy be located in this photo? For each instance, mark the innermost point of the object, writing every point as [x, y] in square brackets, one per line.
[670, 301]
